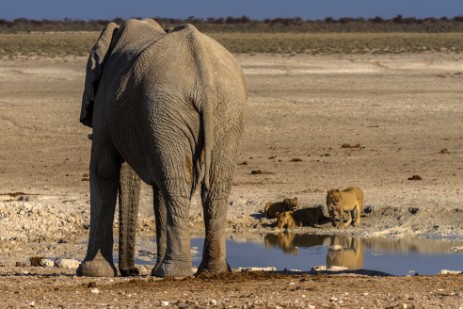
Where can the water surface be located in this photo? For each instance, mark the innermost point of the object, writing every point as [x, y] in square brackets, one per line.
[293, 251]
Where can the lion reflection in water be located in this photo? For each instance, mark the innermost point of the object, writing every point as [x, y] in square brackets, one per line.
[347, 253]
[343, 251]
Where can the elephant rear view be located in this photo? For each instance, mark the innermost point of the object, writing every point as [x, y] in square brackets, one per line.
[170, 104]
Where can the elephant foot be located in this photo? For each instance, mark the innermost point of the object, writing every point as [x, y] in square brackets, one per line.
[129, 272]
[213, 268]
[171, 268]
[96, 268]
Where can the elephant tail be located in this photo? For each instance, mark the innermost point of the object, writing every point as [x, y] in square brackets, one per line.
[208, 137]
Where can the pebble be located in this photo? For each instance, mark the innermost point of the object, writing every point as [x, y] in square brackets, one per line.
[95, 291]
[164, 303]
[212, 302]
[47, 263]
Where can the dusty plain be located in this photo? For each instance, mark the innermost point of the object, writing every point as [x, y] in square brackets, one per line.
[397, 115]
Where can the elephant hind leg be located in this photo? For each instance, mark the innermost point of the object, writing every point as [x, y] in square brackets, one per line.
[215, 203]
[172, 204]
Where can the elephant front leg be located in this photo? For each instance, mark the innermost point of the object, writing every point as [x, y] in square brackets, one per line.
[104, 179]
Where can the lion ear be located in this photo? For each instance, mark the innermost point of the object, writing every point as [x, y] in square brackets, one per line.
[95, 64]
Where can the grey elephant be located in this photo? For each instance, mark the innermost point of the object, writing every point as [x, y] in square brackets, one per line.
[171, 106]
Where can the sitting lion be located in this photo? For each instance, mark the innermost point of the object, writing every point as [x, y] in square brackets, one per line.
[300, 217]
[346, 200]
[271, 209]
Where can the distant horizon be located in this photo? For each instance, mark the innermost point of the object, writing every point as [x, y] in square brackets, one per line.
[225, 17]
[255, 9]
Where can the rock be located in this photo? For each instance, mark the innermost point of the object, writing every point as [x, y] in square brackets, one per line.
[67, 263]
[444, 151]
[35, 260]
[144, 271]
[337, 268]
[246, 269]
[319, 268]
[212, 302]
[47, 263]
[24, 198]
[336, 248]
[450, 272]
[164, 303]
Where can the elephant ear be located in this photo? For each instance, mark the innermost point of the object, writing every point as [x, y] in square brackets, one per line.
[95, 64]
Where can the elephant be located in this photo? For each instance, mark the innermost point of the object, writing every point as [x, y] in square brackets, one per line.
[171, 106]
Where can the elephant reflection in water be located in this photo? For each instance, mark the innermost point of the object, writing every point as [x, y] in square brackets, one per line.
[344, 251]
[347, 253]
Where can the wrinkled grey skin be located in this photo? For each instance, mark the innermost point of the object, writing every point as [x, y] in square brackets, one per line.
[129, 194]
[171, 106]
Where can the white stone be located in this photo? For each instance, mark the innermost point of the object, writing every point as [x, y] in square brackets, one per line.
[164, 303]
[337, 268]
[67, 263]
[143, 270]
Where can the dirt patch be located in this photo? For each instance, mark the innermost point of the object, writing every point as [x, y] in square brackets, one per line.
[235, 290]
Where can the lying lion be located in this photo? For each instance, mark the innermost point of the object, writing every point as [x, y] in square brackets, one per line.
[271, 209]
[346, 200]
[300, 217]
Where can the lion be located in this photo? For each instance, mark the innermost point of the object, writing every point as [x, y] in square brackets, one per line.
[346, 200]
[300, 217]
[271, 209]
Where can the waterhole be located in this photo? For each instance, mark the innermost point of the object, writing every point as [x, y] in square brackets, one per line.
[291, 251]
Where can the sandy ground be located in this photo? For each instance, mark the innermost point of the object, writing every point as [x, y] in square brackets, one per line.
[403, 110]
